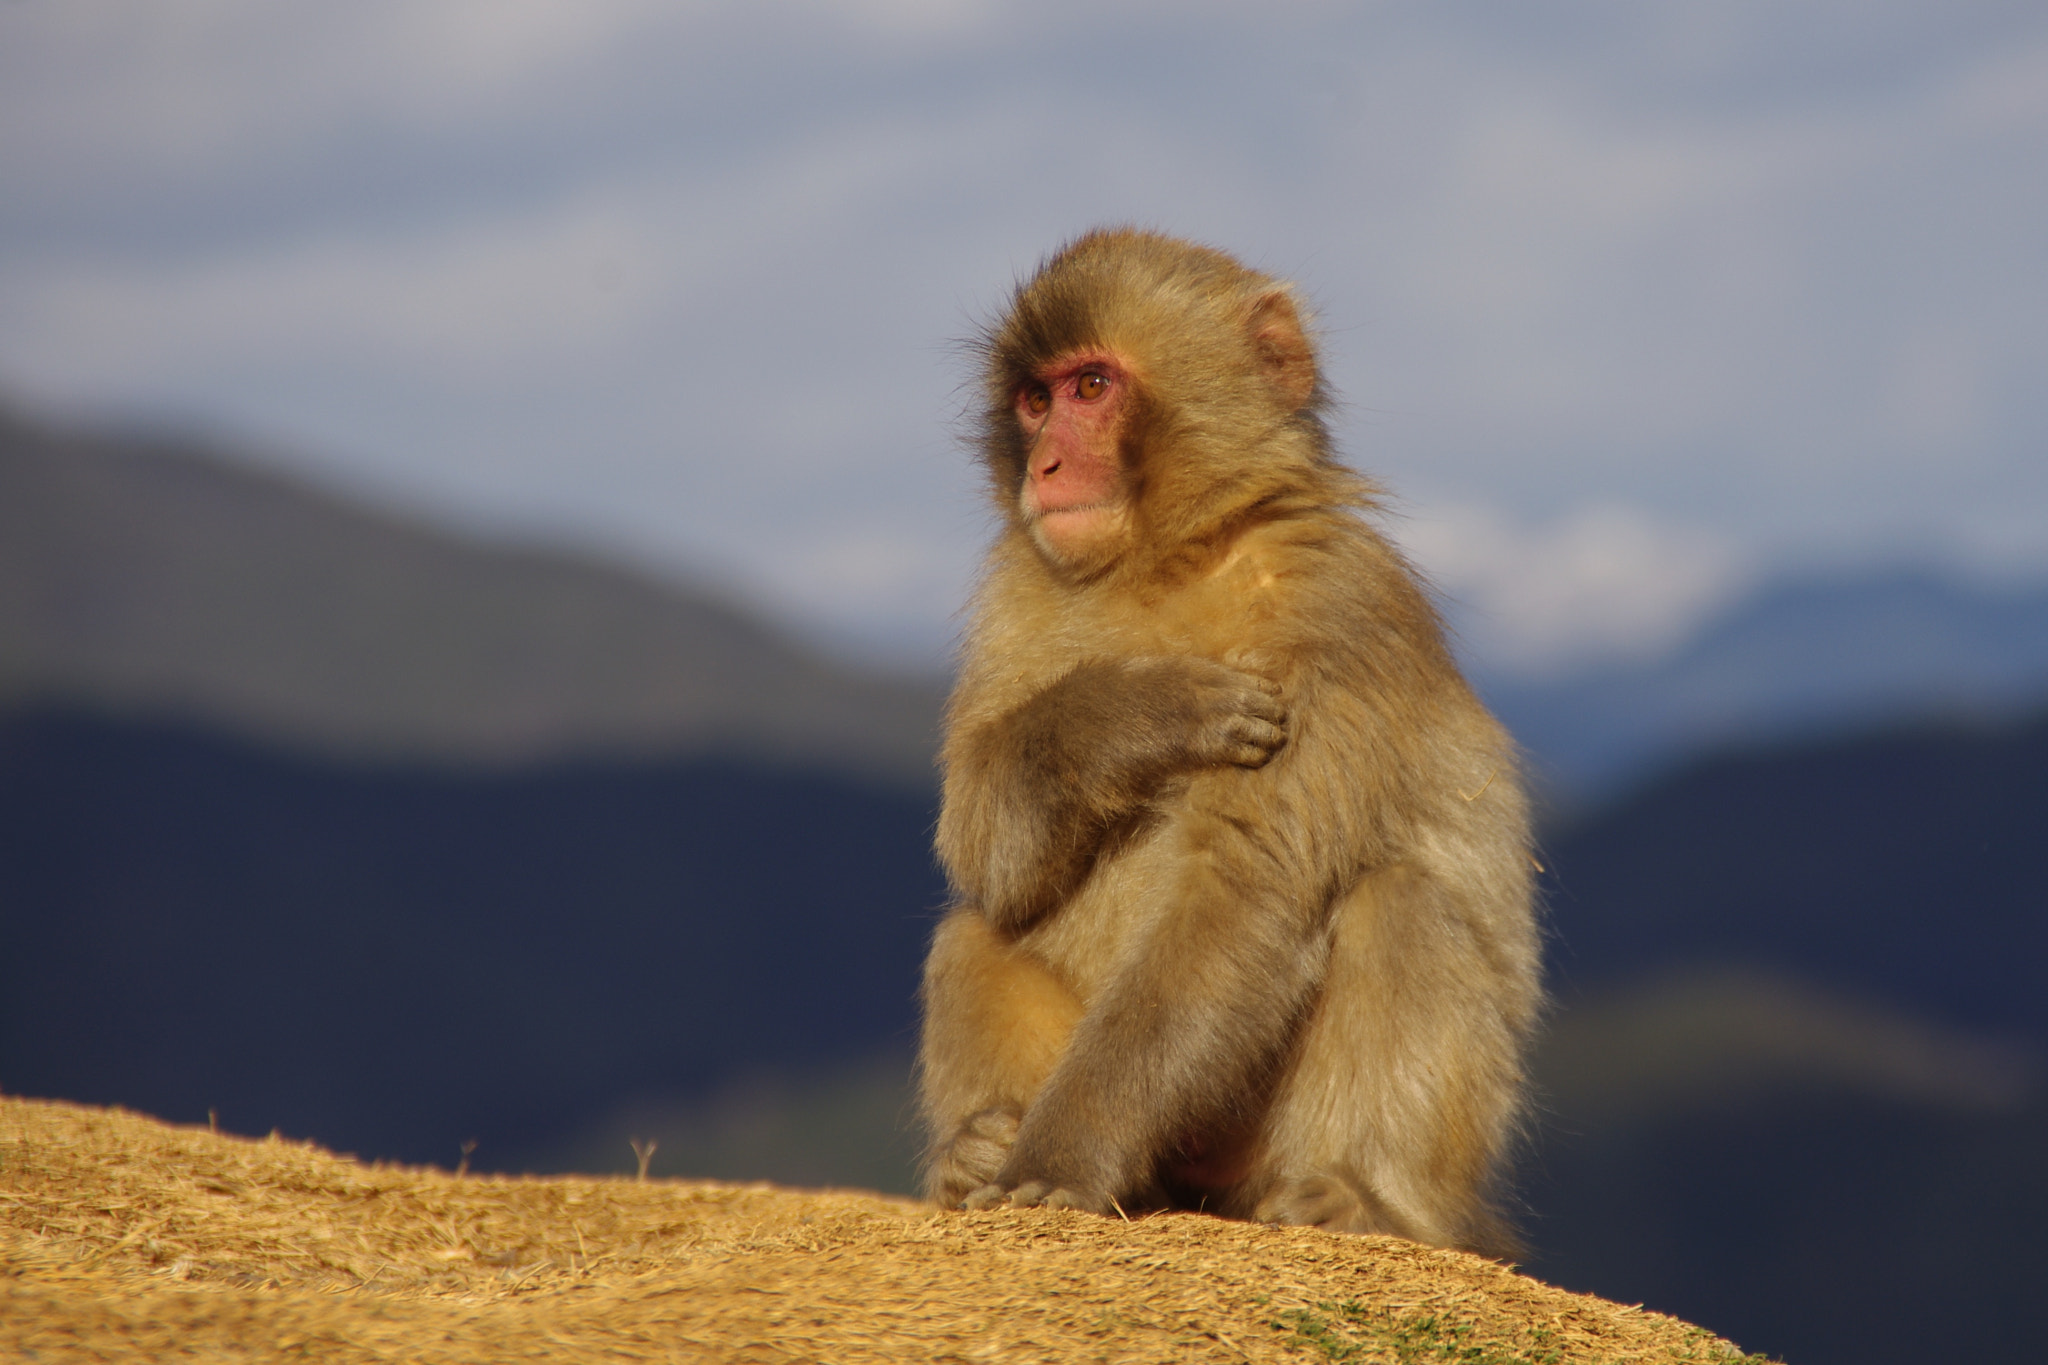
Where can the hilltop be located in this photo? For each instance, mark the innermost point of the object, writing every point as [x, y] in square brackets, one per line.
[120, 1236]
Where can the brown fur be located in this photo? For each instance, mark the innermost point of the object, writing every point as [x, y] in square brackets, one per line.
[1242, 886]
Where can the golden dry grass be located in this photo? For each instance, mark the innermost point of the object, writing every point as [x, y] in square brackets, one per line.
[122, 1238]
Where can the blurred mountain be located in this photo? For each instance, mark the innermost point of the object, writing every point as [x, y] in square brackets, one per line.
[1700, 1038]
[1795, 658]
[1908, 865]
[397, 958]
[152, 576]
[1831, 1180]
[1795, 1087]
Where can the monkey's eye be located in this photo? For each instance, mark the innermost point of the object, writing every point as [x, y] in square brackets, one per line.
[1091, 386]
[1037, 401]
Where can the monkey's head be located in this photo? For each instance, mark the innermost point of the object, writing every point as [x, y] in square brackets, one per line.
[1144, 395]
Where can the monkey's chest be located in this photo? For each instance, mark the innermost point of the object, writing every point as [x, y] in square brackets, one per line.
[1219, 615]
[1117, 910]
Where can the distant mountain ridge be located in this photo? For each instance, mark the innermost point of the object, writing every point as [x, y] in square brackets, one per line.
[154, 576]
[1796, 658]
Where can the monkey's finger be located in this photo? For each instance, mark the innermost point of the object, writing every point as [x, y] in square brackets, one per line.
[1031, 1194]
[1264, 706]
[1068, 1199]
[1321, 1202]
[987, 1197]
[1254, 742]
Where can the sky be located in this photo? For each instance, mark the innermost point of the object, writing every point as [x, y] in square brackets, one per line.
[1630, 307]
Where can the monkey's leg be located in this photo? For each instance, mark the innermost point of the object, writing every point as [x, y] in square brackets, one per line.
[1200, 1005]
[995, 1023]
[1406, 1077]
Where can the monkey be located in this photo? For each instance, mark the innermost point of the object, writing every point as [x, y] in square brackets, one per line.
[1241, 909]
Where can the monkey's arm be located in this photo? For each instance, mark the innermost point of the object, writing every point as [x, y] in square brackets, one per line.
[1030, 794]
[1229, 959]
[1231, 946]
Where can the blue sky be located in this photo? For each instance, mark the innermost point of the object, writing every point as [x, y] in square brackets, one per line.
[1630, 305]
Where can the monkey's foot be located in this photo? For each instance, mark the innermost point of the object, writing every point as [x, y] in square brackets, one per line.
[1323, 1201]
[972, 1158]
[1033, 1194]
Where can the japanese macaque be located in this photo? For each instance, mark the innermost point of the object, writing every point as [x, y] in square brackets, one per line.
[1240, 868]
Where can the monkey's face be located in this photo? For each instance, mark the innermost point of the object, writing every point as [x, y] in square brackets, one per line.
[1075, 495]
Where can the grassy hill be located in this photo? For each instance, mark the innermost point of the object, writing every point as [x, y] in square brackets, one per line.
[123, 1238]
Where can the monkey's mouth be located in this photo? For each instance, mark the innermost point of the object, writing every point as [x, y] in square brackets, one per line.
[1045, 504]
[1079, 509]
[1082, 522]
[1066, 532]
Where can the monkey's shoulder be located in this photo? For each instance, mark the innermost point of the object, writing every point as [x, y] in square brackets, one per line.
[1326, 595]
[1314, 589]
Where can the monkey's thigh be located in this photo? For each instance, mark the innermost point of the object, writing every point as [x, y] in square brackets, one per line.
[1398, 1094]
[995, 1024]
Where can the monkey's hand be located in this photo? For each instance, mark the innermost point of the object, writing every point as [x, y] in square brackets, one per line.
[1188, 712]
[1326, 1202]
[1031, 795]
[1108, 734]
[1054, 1164]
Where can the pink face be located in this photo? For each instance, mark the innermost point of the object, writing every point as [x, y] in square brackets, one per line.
[1072, 414]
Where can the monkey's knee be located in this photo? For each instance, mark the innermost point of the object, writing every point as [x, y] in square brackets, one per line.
[1324, 1201]
[971, 1157]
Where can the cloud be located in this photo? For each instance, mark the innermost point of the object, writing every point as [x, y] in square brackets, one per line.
[681, 279]
[1607, 582]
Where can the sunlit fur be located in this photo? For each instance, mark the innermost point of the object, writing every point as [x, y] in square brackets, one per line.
[1241, 872]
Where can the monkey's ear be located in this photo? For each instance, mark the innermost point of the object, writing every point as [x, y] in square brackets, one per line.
[1283, 346]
